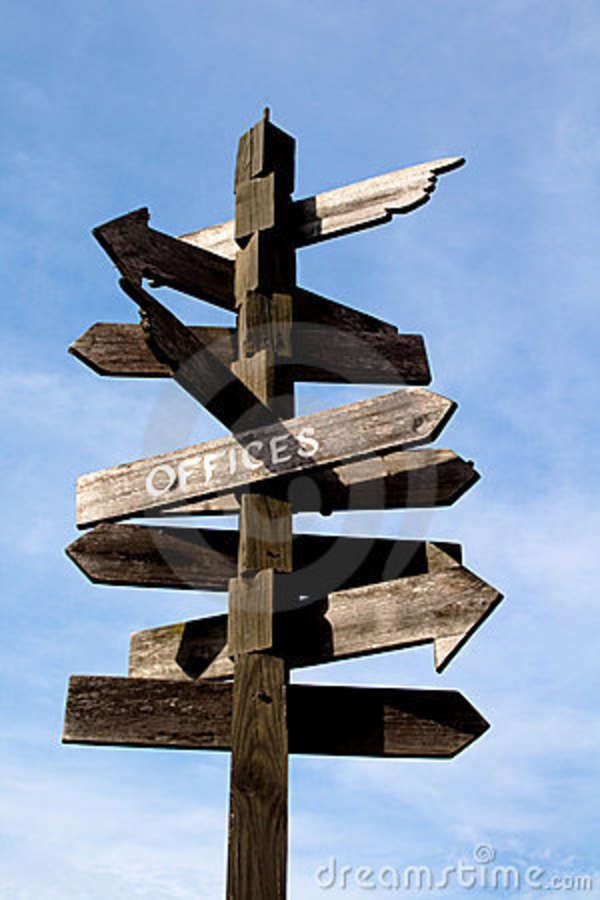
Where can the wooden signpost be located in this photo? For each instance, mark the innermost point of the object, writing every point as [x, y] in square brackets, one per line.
[223, 682]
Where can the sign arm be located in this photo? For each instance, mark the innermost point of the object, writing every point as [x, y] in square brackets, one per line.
[195, 367]
[139, 251]
[344, 210]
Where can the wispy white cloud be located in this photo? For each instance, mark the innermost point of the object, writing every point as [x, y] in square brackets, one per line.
[80, 840]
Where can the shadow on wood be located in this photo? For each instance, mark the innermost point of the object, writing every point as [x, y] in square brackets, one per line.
[322, 720]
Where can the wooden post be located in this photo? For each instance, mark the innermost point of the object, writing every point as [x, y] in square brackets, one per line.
[264, 281]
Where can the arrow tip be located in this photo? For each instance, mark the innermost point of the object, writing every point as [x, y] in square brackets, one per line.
[445, 649]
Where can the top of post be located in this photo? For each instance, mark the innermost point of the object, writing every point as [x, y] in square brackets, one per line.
[264, 150]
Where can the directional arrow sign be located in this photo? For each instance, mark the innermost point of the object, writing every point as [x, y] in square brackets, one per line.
[436, 600]
[142, 252]
[396, 480]
[401, 419]
[344, 210]
[139, 252]
[121, 349]
[322, 720]
[320, 354]
[205, 559]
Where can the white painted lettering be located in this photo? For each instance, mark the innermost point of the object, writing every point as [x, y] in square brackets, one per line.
[277, 446]
[183, 470]
[209, 464]
[249, 461]
[158, 490]
[310, 443]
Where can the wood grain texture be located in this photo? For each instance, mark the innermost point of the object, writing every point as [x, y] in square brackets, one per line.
[265, 534]
[322, 720]
[316, 309]
[255, 205]
[120, 349]
[343, 210]
[265, 323]
[264, 149]
[436, 600]
[139, 252]
[142, 556]
[367, 203]
[257, 373]
[195, 368]
[142, 252]
[257, 859]
[206, 559]
[264, 264]
[258, 810]
[402, 419]
[251, 614]
[444, 605]
[396, 480]
[320, 353]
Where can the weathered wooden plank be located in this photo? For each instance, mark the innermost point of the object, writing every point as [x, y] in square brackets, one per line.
[265, 149]
[250, 618]
[436, 600]
[265, 323]
[322, 720]
[444, 605]
[265, 263]
[395, 480]
[138, 555]
[195, 368]
[316, 309]
[137, 712]
[265, 535]
[142, 252]
[320, 353]
[120, 349]
[402, 419]
[343, 210]
[205, 559]
[367, 203]
[258, 803]
[255, 206]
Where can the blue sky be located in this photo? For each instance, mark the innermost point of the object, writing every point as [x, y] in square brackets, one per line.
[109, 107]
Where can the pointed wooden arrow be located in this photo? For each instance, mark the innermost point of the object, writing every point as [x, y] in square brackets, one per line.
[437, 600]
[139, 252]
[395, 480]
[120, 349]
[205, 559]
[401, 419]
[320, 354]
[142, 252]
[322, 720]
[344, 210]
[416, 479]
